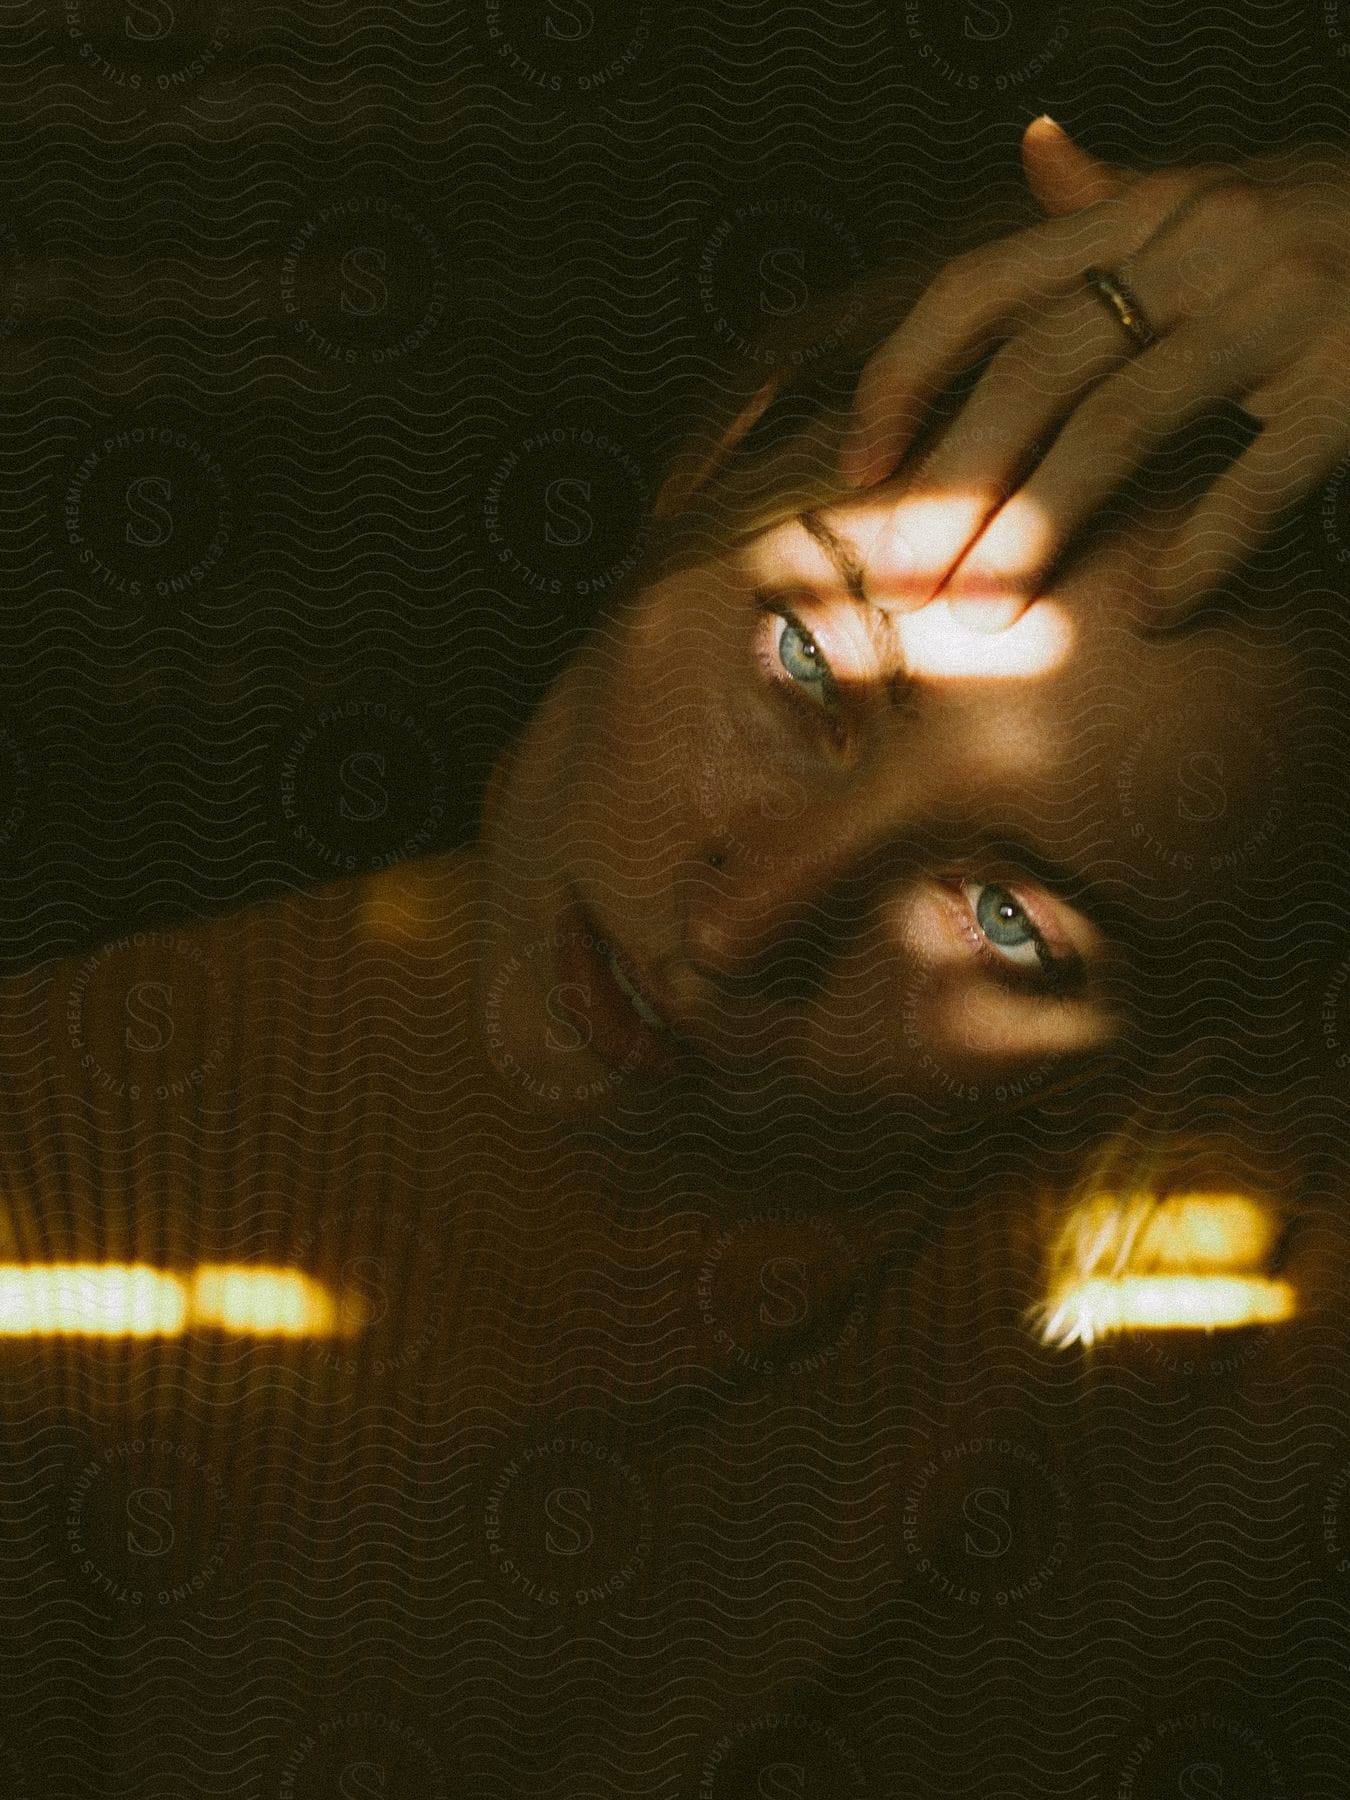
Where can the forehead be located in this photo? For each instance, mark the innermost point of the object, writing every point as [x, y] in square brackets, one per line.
[1161, 767]
[1157, 765]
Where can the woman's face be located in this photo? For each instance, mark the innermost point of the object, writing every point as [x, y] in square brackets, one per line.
[853, 853]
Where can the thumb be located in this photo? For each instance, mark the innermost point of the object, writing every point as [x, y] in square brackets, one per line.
[1062, 176]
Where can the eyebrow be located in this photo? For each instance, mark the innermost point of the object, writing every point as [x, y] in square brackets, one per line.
[1120, 924]
[842, 557]
[901, 686]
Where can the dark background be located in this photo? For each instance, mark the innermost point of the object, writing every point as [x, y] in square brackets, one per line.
[273, 598]
[354, 263]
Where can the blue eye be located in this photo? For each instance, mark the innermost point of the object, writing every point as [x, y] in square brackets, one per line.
[801, 659]
[1005, 924]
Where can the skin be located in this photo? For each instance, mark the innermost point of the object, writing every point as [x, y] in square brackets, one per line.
[835, 949]
[1241, 273]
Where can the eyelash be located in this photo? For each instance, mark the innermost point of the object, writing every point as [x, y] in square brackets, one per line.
[782, 683]
[1057, 975]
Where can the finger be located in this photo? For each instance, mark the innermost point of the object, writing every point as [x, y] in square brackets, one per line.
[1062, 176]
[1306, 433]
[961, 315]
[1110, 435]
[969, 303]
[962, 310]
[1027, 389]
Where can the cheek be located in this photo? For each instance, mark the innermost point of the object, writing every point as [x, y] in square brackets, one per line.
[936, 1044]
[683, 745]
[915, 1017]
[864, 1041]
[639, 774]
[893, 1019]
[751, 785]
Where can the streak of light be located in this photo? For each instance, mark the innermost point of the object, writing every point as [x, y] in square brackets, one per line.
[939, 644]
[1188, 1261]
[1103, 1306]
[86, 1299]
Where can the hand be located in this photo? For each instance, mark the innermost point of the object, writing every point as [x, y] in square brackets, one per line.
[1245, 276]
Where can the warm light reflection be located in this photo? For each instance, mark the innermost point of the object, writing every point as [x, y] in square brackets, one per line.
[937, 643]
[404, 903]
[1191, 1261]
[262, 1302]
[136, 1300]
[1010, 552]
[1102, 1306]
[926, 534]
[910, 545]
[93, 1299]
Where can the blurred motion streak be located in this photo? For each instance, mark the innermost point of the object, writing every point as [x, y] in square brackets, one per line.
[1192, 1261]
[136, 1300]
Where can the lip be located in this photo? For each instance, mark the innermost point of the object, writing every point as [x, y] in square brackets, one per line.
[618, 1036]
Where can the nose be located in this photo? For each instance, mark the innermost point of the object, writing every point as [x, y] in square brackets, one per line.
[770, 878]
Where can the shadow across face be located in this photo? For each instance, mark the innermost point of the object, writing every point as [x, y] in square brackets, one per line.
[859, 858]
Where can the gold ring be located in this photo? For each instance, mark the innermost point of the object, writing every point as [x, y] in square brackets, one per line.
[1123, 304]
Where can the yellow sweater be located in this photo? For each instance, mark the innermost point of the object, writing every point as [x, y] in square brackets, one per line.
[624, 1488]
